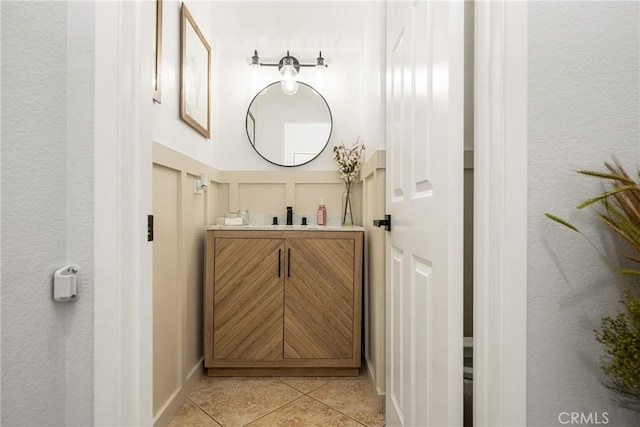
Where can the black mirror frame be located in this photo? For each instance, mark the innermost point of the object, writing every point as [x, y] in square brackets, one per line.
[252, 143]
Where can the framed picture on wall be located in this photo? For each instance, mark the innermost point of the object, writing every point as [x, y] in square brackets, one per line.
[158, 65]
[195, 70]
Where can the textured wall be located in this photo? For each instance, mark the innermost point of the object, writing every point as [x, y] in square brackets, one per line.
[583, 106]
[47, 221]
[80, 218]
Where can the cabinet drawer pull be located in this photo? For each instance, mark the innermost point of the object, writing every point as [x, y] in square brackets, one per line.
[279, 262]
[289, 262]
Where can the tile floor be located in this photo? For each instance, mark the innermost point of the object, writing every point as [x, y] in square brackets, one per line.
[281, 402]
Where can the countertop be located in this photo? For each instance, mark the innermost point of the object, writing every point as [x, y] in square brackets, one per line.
[284, 228]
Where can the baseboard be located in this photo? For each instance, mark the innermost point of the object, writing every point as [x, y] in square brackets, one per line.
[283, 372]
[371, 373]
[174, 403]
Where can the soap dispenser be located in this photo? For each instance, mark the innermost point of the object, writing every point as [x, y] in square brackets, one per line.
[244, 214]
[289, 215]
[322, 213]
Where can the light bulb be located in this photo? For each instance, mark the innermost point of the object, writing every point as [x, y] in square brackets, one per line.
[320, 75]
[289, 87]
[289, 73]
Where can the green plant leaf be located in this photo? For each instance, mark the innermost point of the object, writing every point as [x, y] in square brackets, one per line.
[561, 221]
[611, 176]
[607, 194]
[630, 272]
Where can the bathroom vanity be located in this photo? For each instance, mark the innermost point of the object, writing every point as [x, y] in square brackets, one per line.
[283, 300]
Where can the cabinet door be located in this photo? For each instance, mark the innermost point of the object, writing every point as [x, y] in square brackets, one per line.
[319, 299]
[248, 299]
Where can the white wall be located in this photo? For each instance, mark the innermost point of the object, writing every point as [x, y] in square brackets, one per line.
[168, 128]
[47, 211]
[583, 106]
[350, 35]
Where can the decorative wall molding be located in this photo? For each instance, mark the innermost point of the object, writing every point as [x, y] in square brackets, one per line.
[372, 176]
[177, 399]
[378, 160]
[180, 216]
[500, 227]
[289, 178]
[168, 157]
[226, 190]
[327, 184]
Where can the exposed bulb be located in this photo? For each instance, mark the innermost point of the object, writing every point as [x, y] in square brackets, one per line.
[289, 73]
[289, 87]
[320, 75]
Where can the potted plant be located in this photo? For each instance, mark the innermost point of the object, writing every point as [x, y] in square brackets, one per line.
[619, 334]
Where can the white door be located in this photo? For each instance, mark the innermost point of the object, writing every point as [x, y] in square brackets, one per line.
[424, 311]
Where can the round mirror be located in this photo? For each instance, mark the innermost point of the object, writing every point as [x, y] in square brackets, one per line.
[289, 130]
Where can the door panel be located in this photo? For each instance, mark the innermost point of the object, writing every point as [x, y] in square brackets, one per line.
[319, 301]
[395, 342]
[248, 298]
[424, 248]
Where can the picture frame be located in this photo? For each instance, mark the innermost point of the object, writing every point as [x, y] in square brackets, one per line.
[195, 75]
[158, 64]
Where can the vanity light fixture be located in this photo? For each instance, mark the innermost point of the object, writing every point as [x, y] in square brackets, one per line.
[201, 184]
[289, 66]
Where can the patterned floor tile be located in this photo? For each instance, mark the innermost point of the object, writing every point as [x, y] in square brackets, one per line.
[306, 384]
[235, 402]
[305, 412]
[353, 396]
[189, 415]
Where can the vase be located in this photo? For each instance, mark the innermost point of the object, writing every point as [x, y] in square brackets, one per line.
[347, 212]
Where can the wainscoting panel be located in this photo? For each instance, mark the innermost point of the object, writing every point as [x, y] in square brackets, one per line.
[263, 197]
[194, 216]
[308, 198]
[270, 192]
[180, 218]
[167, 333]
[178, 250]
[217, 200]
[373, 202]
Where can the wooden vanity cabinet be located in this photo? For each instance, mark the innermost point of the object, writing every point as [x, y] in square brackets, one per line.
[283, 302]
